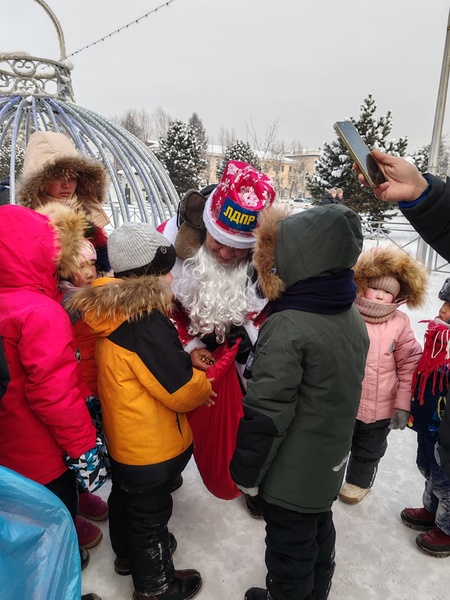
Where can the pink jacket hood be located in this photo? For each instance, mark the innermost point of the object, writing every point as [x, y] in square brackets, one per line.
[28, 253]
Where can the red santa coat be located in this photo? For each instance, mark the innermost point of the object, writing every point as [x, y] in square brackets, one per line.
[215, 429]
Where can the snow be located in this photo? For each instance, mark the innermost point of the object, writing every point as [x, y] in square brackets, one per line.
[376, 555]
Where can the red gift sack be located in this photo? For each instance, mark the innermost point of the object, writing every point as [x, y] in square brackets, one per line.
[215, 428]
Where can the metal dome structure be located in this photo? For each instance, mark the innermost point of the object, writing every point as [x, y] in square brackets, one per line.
[36, 94]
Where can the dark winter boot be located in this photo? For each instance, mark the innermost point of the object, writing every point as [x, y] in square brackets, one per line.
[90, 597]
[122, 565]
[257, 594]
[434, 542]
[254, 506]
[85, 557]
[418, 518]
[184, 586]
[177, 483]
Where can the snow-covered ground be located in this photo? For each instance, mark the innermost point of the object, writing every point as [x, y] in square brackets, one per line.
[376, 555]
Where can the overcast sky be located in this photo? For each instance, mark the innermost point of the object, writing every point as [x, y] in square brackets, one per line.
[246, 64]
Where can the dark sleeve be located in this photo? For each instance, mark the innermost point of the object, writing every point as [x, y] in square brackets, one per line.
[430, 216]
[444, 438]
[270, 402]
[4, 371]
[155, 340]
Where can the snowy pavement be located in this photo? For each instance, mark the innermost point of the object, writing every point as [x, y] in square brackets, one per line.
[376, 555]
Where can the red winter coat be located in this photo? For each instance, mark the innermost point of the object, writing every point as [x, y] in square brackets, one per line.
[43, 415]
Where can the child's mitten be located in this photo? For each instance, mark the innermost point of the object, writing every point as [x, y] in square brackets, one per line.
[89, 469]
[399, 419]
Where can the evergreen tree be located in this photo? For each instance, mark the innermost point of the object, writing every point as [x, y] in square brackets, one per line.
[239, 150]
[196, 124]
[5, 156]
[334, 169]
[180, 153]
[421, 158]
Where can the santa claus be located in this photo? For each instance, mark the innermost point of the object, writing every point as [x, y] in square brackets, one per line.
[220, 306]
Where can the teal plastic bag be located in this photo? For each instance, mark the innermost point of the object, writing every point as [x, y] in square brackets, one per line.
[39, 553]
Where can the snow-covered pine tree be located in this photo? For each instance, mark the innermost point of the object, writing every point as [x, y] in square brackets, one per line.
[422, 155]
[334, 168]
[239, 150]
[180, 153]
[196, 124]
[5, 156]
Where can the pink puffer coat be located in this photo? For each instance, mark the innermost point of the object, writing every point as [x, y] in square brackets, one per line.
[393, 356]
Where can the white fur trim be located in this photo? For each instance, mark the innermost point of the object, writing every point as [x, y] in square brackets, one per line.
[194, 344]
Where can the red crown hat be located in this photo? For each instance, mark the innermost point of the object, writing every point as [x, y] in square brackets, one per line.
[231, 211]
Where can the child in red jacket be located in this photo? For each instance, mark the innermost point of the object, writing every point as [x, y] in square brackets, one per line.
[428, 404]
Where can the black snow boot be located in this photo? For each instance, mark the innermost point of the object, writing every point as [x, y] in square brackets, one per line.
[257, 594]
[122, 565]
[184, 586]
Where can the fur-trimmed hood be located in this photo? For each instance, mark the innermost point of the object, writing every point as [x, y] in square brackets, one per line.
[71, 227]
[107, 302]
[49, 156]
[34, 247]
[294, 247]
[393, 262]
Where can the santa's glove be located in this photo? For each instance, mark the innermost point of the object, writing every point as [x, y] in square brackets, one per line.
[89, 468]
[253, 491]
[399, 419]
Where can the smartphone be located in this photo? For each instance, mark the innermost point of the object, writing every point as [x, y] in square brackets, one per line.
[359, 152]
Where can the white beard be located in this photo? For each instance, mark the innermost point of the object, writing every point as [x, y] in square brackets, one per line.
[215, 295]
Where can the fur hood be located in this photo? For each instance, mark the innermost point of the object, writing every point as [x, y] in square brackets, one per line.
[70, 226]
[50, 156]
[393, 262]
[109, 302]
[294, 247]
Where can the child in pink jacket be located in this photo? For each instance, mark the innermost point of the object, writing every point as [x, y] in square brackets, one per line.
[386, 279]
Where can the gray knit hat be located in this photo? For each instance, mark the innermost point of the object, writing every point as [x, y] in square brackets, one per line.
[444, 292]
[135, 245]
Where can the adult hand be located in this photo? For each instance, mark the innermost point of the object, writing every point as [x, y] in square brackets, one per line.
[404, 182]
[202, 359]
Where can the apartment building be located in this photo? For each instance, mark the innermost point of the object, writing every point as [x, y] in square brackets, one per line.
[288, 171]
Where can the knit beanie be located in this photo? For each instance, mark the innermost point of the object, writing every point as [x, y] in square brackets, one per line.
[386, 283]
[135, 245]
[231, 211]
[444, 292]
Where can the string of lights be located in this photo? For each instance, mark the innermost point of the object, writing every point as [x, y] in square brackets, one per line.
[134, 22]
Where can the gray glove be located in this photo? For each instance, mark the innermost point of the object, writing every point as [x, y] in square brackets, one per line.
[436, 451]
[399, 419]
